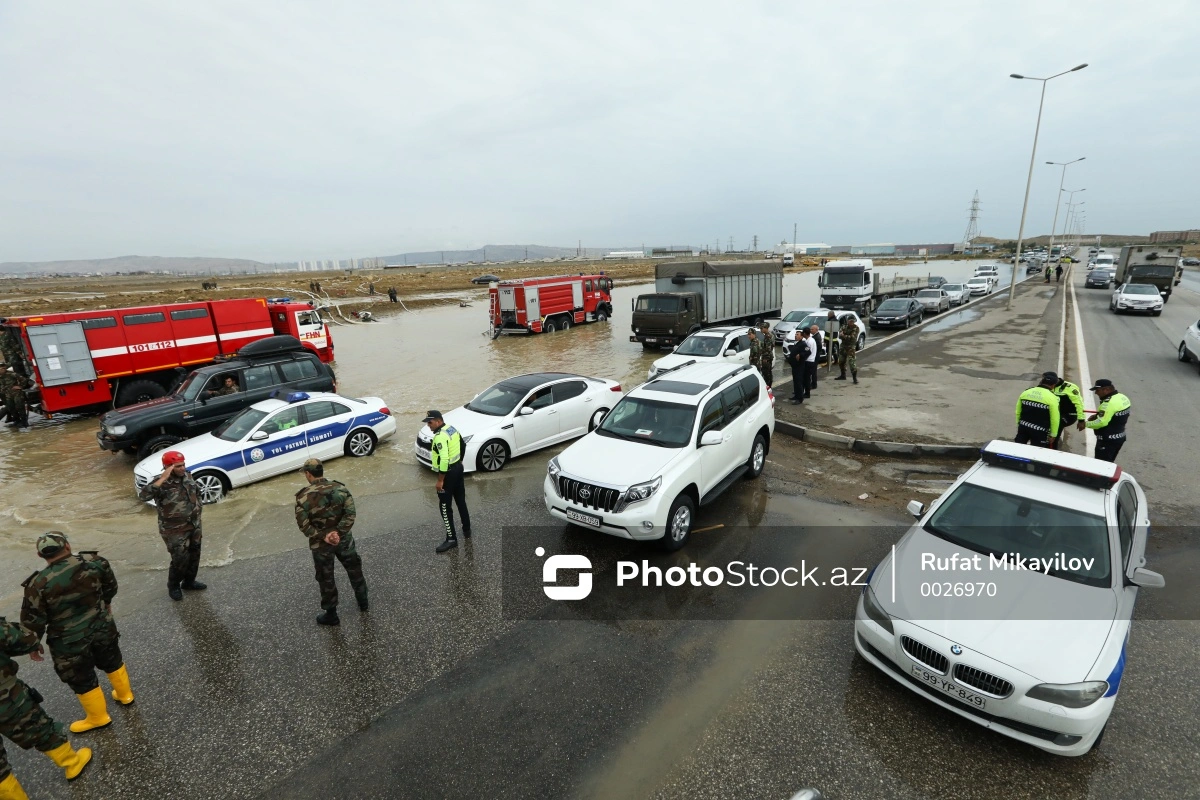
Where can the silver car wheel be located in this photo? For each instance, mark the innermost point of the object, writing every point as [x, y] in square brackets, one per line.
[210, 486]
[361, 444]
[681, 523]
[493, 456]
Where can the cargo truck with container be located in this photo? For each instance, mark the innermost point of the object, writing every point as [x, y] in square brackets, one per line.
[548, 304]
[83, 361]
[692, 295]
[1153, 264]
[855, 285]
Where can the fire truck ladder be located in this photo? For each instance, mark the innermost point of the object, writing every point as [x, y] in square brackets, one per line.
[494, 314]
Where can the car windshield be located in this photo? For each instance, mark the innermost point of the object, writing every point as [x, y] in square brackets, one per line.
[976, 281]
[638, 419]
[795, 316]
[893, 306]
[1141, 288]
[236, 427]
[814, 319]
[845, 279]
[929, 293]
[701, 346]
[952, 287]
[191, 386]
[657, 303]
[1029, 528]
[498, 400]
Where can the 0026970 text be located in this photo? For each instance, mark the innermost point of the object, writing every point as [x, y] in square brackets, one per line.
[958, 589]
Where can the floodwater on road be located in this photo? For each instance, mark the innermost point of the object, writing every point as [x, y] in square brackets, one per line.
[55, 477]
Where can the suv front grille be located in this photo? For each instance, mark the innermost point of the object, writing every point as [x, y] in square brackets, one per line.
[925, 655]
[983, 681]
[600, 498]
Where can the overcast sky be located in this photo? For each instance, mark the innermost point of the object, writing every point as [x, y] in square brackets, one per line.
[285, 130]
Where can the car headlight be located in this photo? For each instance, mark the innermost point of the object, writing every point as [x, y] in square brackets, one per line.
[876, 612]
[637, 330]
[117, 430]
[553, 469]
[1070, 695]
[642, 491]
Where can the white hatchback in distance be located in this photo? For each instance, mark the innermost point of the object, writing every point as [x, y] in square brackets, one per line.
[670, 446]
[1034, 653]
[727, 343]
[957, 292]
[522, 414]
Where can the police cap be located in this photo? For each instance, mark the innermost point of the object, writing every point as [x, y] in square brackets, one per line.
[431, 415]
[1050, 378]
[51, 543]
[1102, 383]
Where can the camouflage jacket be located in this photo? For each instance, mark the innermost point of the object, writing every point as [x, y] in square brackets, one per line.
[68, 600]
[848, 335]
[12, 383]
[762, 351]
[321, 507]
[178, 501]
[14, 641]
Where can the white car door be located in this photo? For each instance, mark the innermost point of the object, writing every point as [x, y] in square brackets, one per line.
[327, 426]
[740, 344]
[1193, 339]
[716, 460]
[575, 405]
[535, 423]
[277, 445]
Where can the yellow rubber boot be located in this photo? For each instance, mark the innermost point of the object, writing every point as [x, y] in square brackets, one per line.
[121, 692]
[11, 790]
[96, 709]
[71, 760]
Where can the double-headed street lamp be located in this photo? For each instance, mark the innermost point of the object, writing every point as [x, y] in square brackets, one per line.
[1012, 287]
[1058, 197]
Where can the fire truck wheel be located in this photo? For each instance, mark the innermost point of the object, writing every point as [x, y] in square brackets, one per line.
[601, 316]
[138, 392]
[548, 326]
[564, 324]
[211, 485]
[360, 443]
[157, 444]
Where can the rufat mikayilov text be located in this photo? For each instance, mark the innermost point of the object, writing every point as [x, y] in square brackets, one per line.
[736, 574]
[1059, 562]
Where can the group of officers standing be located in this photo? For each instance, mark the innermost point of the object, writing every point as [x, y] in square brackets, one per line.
[802, 351]
[1046, 412]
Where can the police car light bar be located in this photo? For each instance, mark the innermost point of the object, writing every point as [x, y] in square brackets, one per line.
[296, 397]
[1047, 463]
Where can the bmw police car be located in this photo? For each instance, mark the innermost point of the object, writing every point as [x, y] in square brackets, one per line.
[276, 436]
[1009, 601]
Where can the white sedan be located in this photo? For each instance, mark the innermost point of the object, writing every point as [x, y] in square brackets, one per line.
[272, 437]
[729, 344]
[934, 301]
[958, 293]
[981, 285]
[523, 414]
[1009, 601]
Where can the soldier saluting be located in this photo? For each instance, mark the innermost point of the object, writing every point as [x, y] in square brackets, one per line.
[69, 601]
[21, 716]
[325, 514]
[178, 500]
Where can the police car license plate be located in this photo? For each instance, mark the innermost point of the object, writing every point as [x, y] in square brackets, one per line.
[583, 519]
[947, 686]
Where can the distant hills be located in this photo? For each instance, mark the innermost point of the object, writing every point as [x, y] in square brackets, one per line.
[108, 266]
[1106, 239]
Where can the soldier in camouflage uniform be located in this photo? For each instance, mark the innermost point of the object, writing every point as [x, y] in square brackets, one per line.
[325, 514]
[178, 499]
[12, 389]
[848, 343]
[766, 353]
[11, 350]
[69, 601]
[21, 716]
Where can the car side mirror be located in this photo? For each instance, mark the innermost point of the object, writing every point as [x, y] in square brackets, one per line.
[916, 508]
[1147, 579]
[675, 348]
[730, 353]
[203, 400]
[525, 411]
[709, 438]
[259, 436]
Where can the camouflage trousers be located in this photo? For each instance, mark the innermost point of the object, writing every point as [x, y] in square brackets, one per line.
[323, 559]
[24, 722]
[14, 404]
[766, 370]
[848, 358]
[76, 663]
[184, 547]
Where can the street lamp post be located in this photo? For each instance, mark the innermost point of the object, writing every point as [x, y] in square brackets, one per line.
[1058, 197]
[1012, 287]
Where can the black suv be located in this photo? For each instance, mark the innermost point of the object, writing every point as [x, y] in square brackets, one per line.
[210, 395]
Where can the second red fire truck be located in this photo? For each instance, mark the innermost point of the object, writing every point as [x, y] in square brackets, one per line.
[544, 305]
[91, 360]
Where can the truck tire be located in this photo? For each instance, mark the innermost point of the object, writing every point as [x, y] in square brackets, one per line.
[138, 392]
[648, 346]
[548, 326]
[602, 316]
[156, 444]
[564, 323]
[679, 524]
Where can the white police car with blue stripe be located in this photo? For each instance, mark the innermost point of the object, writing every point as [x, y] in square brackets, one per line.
[276, 436]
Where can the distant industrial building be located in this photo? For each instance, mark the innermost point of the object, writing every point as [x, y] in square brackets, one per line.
[1162, 237]
[810, 249]
[619, 254]
[887, 249]
[925, 249]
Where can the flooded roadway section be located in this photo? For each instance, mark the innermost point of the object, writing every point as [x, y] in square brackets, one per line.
[55, 476]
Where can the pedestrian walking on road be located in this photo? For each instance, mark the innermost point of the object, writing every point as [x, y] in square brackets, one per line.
[22, 719]
[445, 453]
[794, 351]
[766, 353]
[818, 340]
[1047, 273]
[69, 601]
[1058, 271]
[178, 500]
[1109, 420]
[325, 514]
[1070, 408]
[848, 345]
[1037, 413]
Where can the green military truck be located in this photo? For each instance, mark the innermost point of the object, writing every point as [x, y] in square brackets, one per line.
[692, 295]
[1148, 263]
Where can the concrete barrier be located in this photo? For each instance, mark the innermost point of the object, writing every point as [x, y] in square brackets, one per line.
[879, 448]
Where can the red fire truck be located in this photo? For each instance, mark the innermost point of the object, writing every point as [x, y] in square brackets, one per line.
[543, 305]
[89, 360]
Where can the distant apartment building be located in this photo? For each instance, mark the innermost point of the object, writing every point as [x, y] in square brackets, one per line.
[1161, 237]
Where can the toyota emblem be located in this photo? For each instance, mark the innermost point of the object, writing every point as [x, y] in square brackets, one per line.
[585, 493]
[956, 649]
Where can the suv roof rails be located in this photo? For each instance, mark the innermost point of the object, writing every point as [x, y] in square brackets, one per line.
[721, 380]
[672, 369]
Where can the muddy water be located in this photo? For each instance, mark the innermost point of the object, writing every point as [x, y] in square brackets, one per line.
[54, 476]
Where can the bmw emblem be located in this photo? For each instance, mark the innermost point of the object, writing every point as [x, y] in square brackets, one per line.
[956, 649]
[585, 493]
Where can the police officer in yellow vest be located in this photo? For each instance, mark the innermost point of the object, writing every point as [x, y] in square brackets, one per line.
[446, 454]
[1109, 420]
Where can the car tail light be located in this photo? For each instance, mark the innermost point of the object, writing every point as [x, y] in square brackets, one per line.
[616, 388]
[385, 410]
[771, 394]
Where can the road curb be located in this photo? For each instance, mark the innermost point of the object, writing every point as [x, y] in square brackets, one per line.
[837, 441]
